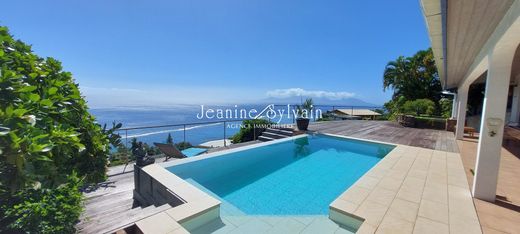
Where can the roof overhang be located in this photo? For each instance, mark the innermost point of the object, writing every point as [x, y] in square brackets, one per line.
[434, 12]
[458, 31]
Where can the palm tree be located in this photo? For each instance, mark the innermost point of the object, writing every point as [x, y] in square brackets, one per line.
[413, 77]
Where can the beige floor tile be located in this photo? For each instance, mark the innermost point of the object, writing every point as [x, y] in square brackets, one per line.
[464, 225]
[458, 180]
[377, 172]
[372, 212]
[344, 206]
[366, 229]
[413, 194]
[426, 226]
[417, 173]
[435, 193]
[355, 194]
[397, 174]
[390, 183]
[394, 224]
[403, 209]
[382, 196]
[439, 178]
[149, 225]
[413, 182]
[404, 164]
[367, 182]
[434, 211]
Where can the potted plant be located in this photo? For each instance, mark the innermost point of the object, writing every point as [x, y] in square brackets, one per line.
[303, 111]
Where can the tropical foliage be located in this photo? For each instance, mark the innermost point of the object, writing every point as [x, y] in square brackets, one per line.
[413, 78]
[48, 140]
[183, 145]
[39, 210]
[250, 130]
[419, 107]
[169, 139]
[445, 107]
[304, 110]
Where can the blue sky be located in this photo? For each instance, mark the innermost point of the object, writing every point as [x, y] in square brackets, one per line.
[125, 52]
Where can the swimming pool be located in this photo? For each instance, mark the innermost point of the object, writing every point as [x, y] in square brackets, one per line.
[300, 176]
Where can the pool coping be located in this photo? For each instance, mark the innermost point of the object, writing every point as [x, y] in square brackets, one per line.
[191, 206]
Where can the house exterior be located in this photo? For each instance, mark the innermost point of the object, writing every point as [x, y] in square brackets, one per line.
[355, 114]
[478, 40]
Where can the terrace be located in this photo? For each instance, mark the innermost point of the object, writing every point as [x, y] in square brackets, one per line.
[419, 186]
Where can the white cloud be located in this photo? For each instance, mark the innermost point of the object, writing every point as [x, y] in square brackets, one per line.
[297, 92]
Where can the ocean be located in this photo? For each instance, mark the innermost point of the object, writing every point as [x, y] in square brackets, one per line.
[195, 131]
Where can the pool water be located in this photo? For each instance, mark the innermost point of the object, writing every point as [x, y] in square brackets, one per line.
[301, 176]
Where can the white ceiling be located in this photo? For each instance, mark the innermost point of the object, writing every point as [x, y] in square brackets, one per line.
[468, 25]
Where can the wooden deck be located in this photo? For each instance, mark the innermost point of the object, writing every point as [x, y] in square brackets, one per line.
[390, 132]
[110, 205]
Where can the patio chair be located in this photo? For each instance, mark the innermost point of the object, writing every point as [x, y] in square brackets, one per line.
[171, 151]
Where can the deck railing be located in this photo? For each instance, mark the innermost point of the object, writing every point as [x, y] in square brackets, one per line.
[178, 126]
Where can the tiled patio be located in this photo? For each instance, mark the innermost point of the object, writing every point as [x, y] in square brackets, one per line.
[412, 190]
[503, 216]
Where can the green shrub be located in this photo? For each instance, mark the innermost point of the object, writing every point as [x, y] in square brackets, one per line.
[446, 105]
[246, 132]
[122, 155]
[384, 114]
[183, 145]
[394, 107]
[430, 122]
[419, 107]
[46, 136]
[46, 210]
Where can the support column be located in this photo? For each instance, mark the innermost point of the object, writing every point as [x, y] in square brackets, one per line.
[462, 97]
[515, 107]
[454, 106]
[491, 129]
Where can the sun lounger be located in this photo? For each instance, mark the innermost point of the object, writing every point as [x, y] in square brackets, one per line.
[171, 151]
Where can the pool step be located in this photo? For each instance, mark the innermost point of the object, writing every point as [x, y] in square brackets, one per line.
[263, 138]
[275, 133]
[280, 131]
